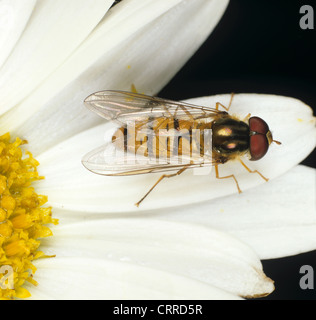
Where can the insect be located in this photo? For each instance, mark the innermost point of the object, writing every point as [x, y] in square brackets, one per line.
[166, 135]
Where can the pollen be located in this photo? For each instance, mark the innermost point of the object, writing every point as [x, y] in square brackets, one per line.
[23, 218]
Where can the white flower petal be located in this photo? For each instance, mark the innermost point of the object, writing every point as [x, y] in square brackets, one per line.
[84, 278]
[188, 250]
[146, 48]
[72, 187]
[54, 31]
[276, 219]
[14, 14]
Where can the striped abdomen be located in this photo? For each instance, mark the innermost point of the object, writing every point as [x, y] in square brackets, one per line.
[163, 137]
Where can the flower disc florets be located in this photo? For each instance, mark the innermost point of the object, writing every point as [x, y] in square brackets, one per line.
[22, 218]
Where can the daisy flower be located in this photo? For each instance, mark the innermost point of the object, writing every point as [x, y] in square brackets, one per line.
[178, 244]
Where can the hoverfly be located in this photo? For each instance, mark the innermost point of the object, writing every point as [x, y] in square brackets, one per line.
[163, 130]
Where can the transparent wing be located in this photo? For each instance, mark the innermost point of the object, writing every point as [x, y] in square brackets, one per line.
[147, 114]
[112, 161]
[122, 107]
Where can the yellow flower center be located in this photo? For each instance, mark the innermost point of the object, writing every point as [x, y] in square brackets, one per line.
[22, 218]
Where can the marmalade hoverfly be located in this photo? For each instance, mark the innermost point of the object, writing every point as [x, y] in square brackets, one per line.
[172, 136]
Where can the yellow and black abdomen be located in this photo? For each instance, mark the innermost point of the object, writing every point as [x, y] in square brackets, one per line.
[163, 138]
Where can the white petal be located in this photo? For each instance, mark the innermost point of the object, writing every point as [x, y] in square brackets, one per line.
[14, 15]
[144, 44]
[85, 279]
[276, 219]
[71, 187]
[54, 31]
[196, 252]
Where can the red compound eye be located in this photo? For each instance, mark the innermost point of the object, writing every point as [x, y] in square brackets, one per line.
[258, 125]
[259, 146]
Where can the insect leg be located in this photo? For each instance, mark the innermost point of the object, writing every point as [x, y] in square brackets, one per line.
[247, 117]
[160, 179]
[253, 171]
[230, 103]
[226, 177]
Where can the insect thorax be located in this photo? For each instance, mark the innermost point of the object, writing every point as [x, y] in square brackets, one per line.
[230, 136]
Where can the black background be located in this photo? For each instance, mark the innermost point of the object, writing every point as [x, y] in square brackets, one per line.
[258, 47]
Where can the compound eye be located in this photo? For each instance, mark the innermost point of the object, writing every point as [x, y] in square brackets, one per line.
[258, 125]
[259, 146]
